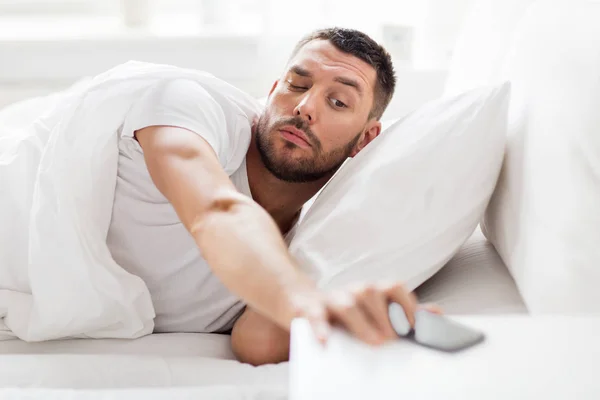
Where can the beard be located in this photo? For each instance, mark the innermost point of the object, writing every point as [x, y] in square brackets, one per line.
[301, 169]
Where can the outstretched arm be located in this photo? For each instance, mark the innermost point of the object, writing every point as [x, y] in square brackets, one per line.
[245, 250]
[238, 239]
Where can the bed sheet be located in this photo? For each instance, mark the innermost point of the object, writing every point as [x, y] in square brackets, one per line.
[474, 282]
[112, 371]
[158, 344]
[202, 363]
[212, 393]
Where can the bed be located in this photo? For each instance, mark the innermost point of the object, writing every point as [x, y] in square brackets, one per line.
[475, 281]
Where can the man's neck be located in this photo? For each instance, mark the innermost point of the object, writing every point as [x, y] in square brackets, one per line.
[282, 200]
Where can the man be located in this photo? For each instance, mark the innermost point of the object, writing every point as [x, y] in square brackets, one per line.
[201, 218]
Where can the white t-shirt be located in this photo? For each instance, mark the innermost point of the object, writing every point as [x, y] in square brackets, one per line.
[146, 236]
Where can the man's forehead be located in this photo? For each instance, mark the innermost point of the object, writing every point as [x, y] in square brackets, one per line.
[321, 55]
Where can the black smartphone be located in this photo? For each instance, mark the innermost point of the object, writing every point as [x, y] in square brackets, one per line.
[433, 330]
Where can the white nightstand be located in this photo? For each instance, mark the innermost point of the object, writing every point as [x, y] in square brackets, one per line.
[522, 357]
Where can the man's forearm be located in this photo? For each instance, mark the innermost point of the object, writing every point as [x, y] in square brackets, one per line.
[245, 249]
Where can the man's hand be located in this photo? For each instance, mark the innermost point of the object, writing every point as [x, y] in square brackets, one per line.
[361, 310]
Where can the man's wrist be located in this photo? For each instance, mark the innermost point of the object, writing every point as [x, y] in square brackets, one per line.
[294, 300]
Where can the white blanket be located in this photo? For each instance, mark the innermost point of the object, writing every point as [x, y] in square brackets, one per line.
[58, 166]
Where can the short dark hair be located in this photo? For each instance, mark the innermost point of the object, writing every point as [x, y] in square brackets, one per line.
[363, 47]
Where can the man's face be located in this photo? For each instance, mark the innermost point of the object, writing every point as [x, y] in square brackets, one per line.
[317, 114]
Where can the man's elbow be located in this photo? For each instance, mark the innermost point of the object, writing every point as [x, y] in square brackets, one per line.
[260, 344]
[261, 354]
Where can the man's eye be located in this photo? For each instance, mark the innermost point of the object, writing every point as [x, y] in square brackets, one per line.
[338, 103]
[294, 87]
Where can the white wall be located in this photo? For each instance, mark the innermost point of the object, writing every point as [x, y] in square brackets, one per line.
[438, 30]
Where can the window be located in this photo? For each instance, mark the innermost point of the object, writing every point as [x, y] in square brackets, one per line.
[411, 29]
[272, 15]
[206, 12]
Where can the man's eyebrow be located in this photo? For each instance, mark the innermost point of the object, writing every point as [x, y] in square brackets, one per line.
[298, 70]
[349, 82]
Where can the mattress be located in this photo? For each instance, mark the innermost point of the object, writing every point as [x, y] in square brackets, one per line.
[165, 360]
[475, 281]
[158, 344]
[212, 393]
[112, 371]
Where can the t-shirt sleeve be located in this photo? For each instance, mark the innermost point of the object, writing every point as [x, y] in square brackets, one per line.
[185, 104]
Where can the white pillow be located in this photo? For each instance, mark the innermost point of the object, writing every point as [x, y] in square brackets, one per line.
[544, 218]
[405, 204]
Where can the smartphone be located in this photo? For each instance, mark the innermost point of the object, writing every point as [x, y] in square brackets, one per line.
[435, 331]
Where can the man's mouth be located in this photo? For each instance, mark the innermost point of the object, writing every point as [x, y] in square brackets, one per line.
[295, 136]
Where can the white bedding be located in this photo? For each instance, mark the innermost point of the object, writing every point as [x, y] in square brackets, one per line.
[212, 393]
[203, 366]
[111, 371]
[158, 344]
[475, 282]
[58, 173]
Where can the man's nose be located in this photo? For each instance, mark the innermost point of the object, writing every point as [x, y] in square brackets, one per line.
[306, 109]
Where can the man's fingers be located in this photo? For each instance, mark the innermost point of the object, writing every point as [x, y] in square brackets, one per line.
[362, 311]
[408, 301]
[321, 329]
[320, 325]
[345, 310]
[375, 303]
[311, 306]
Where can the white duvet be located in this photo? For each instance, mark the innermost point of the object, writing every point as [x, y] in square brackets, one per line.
[58, 165]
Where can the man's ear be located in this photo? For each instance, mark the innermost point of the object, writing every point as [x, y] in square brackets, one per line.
[372, 130]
